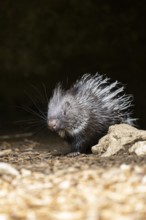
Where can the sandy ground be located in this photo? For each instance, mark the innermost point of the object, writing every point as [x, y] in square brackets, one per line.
[50, 185]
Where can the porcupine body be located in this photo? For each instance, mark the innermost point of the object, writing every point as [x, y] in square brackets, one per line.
[83, 114]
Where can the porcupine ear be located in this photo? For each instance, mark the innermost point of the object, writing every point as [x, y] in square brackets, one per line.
[67, 104]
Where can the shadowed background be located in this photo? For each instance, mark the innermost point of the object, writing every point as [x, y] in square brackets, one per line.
[43, 42]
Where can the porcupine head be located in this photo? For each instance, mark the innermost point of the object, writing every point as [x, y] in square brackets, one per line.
[66, 115]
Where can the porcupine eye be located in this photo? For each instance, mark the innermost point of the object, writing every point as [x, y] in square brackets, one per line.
[64, 113]
[67, 104]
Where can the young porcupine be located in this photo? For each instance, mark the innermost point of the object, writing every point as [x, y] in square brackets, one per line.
[83, 114]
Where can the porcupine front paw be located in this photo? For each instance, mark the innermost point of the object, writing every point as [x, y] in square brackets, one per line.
[73, 154]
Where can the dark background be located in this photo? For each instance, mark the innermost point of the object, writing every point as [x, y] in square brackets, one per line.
[43, 42]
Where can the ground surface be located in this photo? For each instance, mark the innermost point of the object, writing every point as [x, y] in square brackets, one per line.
[52, 186]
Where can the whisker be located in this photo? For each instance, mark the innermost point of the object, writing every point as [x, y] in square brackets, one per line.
[38, 92]
[29, 122]
[39, 130]
[33, 112]
[41, 113]
[45, 91]
[37, 120]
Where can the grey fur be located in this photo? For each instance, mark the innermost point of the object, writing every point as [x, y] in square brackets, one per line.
[84, 113]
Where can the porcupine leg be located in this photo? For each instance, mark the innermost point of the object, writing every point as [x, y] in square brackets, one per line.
[76, 144]
[73, 154]
[74, 151]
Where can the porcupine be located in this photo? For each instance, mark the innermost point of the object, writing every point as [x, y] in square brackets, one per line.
[82, 114]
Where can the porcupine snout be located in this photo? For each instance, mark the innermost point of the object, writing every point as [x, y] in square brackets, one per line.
[53, 124]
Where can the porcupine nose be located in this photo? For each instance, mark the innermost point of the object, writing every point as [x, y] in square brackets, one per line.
[52, 124]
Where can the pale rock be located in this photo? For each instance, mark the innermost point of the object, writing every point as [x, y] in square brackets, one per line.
[139, 148]
[8, 169]
[121, 136]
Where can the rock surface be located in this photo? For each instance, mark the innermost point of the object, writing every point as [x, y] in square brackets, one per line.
[121, 137]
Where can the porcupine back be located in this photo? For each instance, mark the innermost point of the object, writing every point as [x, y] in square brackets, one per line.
[107, 97]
